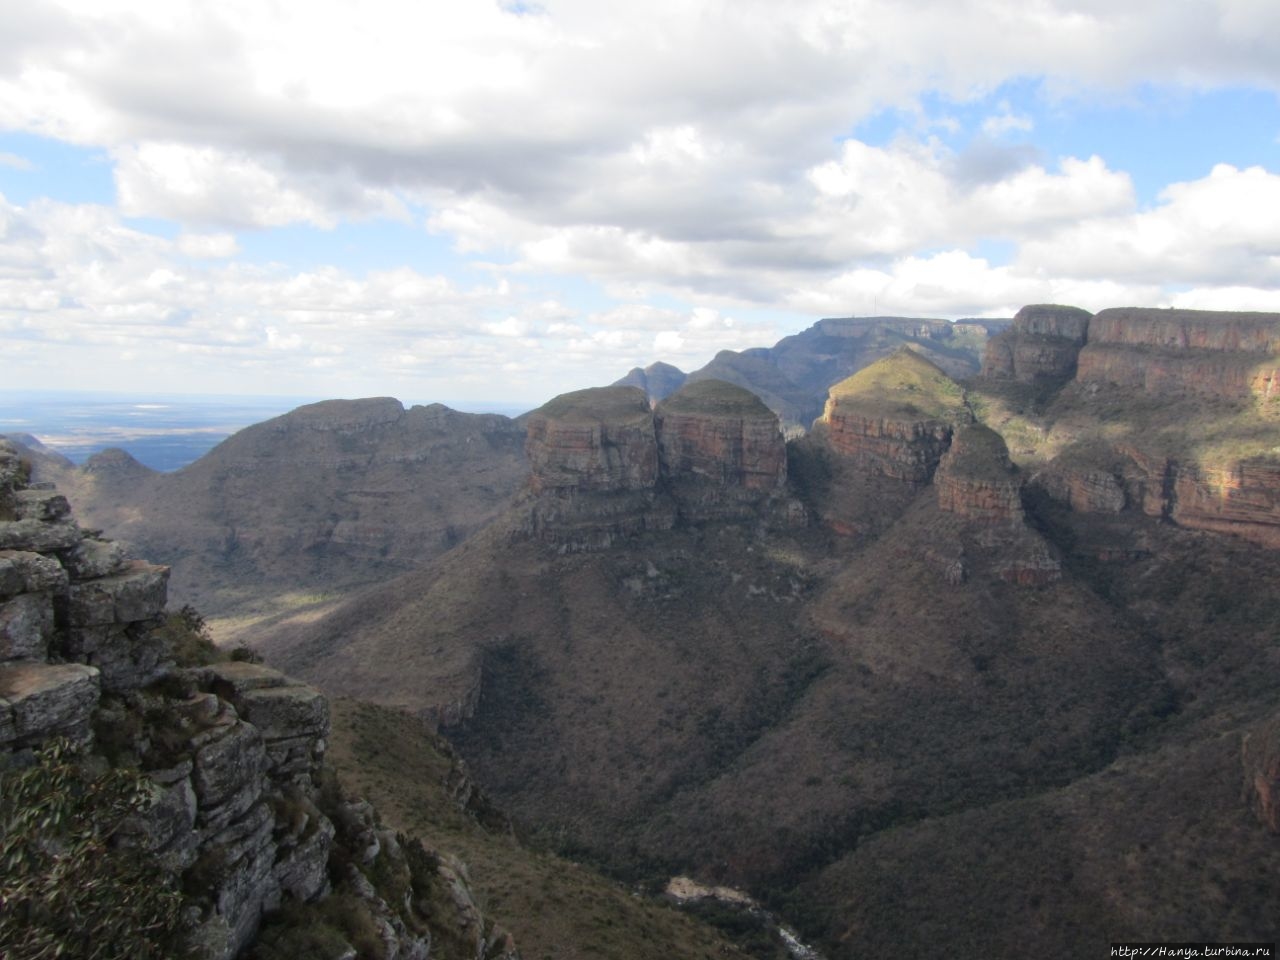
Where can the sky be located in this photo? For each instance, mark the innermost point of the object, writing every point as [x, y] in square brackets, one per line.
[495, 202]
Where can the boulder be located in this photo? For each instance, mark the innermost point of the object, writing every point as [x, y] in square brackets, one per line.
[47, 700]
[136, 593]
[26, 626]
[38, 536]
[23, 572]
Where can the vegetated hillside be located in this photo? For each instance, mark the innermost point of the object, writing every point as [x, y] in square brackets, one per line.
[792, 376]
[328, 496]
[945, 721]
[557, 909]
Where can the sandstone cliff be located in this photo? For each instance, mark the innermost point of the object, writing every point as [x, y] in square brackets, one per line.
[233, 753]
[1043, 344]
[978, 485]
[1169, 412]
[721, 450]
[880, 437]
[1231, 355]
[603, 465]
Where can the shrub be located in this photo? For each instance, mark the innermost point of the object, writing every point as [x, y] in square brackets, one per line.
[65, 889]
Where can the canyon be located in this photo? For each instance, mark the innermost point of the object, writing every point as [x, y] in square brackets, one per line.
[984, 656]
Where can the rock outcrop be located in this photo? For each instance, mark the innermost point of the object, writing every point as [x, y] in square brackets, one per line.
[1221, 354]
[233, 751]
[1042, 345]
[599, 440]
[880, 438]
[720, 449]
[894, 418]
[981, 491]
[604, 465]
[593, 456]
[977, 481]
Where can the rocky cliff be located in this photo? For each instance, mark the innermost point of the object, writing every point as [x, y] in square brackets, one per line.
[880, 437]
[720, 448]
[239, 817]
[1230, 355]
[1042, 345]
[604, 465]
[1169, 412]
[978, 485]
[593, 459]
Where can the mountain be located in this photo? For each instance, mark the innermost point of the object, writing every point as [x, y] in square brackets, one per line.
[792, 376]
[658, 380]
[921, 678]
[307, 504]
[179, 803]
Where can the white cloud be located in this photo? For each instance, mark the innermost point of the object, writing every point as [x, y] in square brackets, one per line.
[689, 158]
[208, 246]
[15, 162]
[1218, 230]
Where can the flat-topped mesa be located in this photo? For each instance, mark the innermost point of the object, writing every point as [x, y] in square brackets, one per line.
[1219, 353]
[1042, 345]
[894, 418]
[977, 481]
[596, 440]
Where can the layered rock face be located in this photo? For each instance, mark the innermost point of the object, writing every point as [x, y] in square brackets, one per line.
[720, 448]
[1043, 344]
[233, 751]
[604, 465]
[1240, 498]
[593, 456]
[894, 419]
[977, 481]
[1231, 355]
[597, 440]
[978, 486]
[881, 436]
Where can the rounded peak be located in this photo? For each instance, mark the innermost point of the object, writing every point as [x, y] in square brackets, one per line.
[716, 398]
[902, 384]
[364, 409]
[114, 460]
[978, 452]
[597, 404]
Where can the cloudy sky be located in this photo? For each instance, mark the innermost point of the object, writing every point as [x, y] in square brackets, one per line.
[498, 201]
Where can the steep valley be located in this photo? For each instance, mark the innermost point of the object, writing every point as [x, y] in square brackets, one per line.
[988, 658]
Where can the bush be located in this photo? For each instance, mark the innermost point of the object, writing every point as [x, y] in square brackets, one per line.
[65, 890]
[187, 637]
